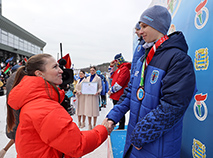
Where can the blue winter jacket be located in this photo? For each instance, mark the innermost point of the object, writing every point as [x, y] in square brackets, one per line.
[139, 51]
[155, 123]
[105, 86]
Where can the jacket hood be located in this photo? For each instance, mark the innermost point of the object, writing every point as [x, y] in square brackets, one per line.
[127, 64]
[31, 88]
[176, 40]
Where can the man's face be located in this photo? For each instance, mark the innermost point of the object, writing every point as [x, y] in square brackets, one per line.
[137, 31]
[148, 33]
[116, 62]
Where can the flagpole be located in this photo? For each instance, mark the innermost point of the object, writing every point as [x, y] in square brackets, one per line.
[61, 49]
[57, 56]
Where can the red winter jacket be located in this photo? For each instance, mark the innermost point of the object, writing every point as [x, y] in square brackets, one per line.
[121, 76]
[46, 129]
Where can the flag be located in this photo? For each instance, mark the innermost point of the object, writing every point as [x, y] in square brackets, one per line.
[22, 61]
[7, 68]
[10, 59]
[25, 59]
[6, 71]
[68, 60]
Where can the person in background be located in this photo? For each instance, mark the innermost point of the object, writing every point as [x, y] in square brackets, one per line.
[162, 88]
[80, 100]
[120, 79]
[46, 129]
[98, 72]
[1, 86]
[104, 92]
[137, 54]
[105, 88]
[11, 134]
[139, 50]
[92, 100]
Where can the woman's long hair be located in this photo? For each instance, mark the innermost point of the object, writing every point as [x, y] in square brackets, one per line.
[36, 62]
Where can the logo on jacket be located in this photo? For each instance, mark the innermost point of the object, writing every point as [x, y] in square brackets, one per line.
[200, 108]
[202, 15]
[136, 73]
[139, 48]
[201, 59]
[198, 149]
[154, 76]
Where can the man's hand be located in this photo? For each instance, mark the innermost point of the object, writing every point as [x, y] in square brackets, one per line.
[109, 93]
[112, 63]
[109, 125]
[106, 124]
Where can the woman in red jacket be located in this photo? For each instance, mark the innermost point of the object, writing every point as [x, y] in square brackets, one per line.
[45, 128]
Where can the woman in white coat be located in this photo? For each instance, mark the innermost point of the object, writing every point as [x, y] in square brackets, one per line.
[80, 99]
[91, 100]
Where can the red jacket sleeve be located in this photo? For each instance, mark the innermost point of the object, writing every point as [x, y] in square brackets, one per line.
[60, 132]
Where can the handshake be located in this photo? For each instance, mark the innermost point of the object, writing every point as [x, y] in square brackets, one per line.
[109, 124]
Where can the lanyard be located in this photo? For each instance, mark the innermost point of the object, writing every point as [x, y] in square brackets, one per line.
[150, 55]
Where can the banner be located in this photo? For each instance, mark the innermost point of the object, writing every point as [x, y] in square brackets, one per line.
[194, 20]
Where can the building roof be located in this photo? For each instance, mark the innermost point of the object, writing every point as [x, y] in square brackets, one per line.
[11, 27]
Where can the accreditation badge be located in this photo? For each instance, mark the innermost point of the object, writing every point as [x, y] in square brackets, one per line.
[140, 93]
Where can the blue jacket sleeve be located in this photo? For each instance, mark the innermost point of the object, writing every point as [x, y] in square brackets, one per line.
[178, 88]
[123, 105]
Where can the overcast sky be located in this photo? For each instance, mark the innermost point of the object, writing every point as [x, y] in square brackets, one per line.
[91, 31]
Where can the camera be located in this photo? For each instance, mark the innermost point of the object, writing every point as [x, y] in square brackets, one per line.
[67, 75]
[67, 78]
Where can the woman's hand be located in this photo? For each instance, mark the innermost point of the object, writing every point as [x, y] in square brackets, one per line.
[78, 93]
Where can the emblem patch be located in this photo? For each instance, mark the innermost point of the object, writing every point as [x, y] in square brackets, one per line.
[154, 76]
[202, 15]
[201, 59]
[139, 48]
[136, 73]
[172, 28]
[198, 149]
[200, 108]
[173, 6]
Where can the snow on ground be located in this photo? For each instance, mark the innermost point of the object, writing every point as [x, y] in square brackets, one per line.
[97, 153]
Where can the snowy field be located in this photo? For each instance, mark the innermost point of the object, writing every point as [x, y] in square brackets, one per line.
[11, 153]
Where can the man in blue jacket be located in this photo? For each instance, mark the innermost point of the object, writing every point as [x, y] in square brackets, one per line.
[160, 92]
[139, 50]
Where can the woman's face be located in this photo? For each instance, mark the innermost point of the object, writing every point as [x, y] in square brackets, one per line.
[81, 74]
[92, 71]
[52, 72]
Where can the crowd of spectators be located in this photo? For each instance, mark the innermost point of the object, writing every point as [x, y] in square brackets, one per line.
[7, 67]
